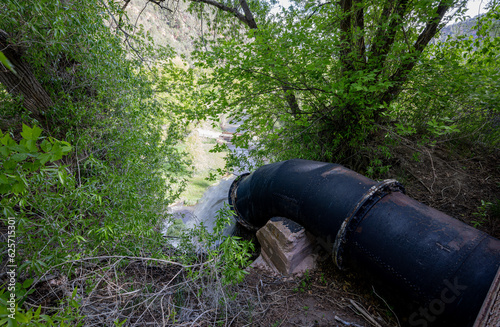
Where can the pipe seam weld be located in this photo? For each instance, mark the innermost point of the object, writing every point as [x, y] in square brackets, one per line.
[418, 290]
[367, 201]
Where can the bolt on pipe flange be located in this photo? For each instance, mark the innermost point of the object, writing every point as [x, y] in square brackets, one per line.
[369, 199]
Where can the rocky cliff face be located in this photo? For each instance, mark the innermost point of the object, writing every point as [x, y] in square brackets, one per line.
[173, 27]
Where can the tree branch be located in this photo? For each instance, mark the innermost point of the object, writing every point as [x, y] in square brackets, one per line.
[291, 100]
[317, 7]
[401, 74]
[127, 35]
[249, 20]
[431, 27]
[125, 4]
[385, 37]
[230, 10]
[159, 4]
[248, 14]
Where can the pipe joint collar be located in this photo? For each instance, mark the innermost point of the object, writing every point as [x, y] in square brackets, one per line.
[367, 201]
[233, 197]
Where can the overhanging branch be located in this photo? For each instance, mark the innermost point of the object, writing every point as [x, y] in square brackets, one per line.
[230, 10]
[248, 14]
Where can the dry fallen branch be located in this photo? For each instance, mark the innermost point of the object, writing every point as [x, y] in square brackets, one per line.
[146, 291]
[368, 317]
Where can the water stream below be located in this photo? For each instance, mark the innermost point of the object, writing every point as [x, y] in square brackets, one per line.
[214, 198]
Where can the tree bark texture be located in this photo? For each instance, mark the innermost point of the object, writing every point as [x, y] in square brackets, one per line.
[35, 98]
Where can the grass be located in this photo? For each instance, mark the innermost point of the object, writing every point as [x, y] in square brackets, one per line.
[195, 188]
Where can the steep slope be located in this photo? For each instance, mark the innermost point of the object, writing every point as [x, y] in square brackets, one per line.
[174, 27]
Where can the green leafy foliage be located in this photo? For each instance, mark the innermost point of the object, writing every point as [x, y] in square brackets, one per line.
[108, 190]
[68, 316]
[327, 82]
[482, 213]
[122, 168]
[313, 82]
[18, 161]
[227, 255]
[453, 92]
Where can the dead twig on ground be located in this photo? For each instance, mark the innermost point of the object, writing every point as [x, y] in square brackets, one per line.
[368, 317]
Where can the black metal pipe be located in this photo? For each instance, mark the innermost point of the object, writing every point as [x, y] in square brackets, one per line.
[434, 269]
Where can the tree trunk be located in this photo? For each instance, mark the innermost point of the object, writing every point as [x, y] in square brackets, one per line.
[35, 99]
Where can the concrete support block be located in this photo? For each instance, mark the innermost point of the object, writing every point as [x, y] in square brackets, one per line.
[286, 246]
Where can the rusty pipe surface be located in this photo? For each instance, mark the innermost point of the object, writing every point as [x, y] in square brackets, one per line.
[434, 269]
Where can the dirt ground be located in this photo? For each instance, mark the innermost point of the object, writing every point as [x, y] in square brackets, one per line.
[325, 297]
[454, 181]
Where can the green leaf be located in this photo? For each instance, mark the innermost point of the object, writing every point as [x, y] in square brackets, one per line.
[18, 188]
[66, 149]
[4, 188]
[44, 158]
[20, 317]
[12, 322]
[4, 179]
[9, 165]
[7, 140]
[19, 157]
[48, 319]
[37, 131]
[27, 283]
[19, 147]
[7, 63]
[56, 152]
[32, 166]
[62, 177]
[37, 312]
[46, 146]
[4, 151]
[31, 145]
[27, 132]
